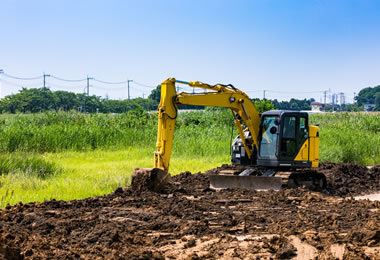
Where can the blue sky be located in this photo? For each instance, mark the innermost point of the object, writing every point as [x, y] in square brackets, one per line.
[287, 47]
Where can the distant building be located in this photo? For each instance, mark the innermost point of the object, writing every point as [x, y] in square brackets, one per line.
[317, 107]
[368, 107]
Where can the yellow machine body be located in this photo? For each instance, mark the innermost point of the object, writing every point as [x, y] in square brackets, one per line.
[244, 112]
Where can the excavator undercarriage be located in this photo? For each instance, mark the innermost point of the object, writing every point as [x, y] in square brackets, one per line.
[256, 178]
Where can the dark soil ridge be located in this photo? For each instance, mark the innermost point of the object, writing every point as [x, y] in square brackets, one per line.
[184, 219]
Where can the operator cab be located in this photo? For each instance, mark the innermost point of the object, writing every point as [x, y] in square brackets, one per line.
[285, 140]
[281, 136]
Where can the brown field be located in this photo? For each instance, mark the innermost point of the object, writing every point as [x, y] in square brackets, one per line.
[188, 220]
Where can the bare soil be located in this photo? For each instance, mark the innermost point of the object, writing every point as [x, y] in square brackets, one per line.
[188, 220]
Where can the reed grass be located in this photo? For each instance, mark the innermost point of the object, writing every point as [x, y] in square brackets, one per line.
[344, 137]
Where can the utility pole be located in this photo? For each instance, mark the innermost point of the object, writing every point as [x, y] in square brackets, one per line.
[87, 93]
[88, 85]
[44, 103]
[325, 94]
[84, 101]
[143, 95]
[264, 94]
[45, 75]
[129, 97]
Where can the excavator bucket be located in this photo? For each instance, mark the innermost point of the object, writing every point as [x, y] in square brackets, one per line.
[221, 181]
[153, 179]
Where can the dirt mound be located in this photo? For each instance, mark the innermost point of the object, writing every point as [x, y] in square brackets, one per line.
[350, 179]
[187, 220]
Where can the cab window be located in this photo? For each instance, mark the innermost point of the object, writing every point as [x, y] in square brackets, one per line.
[288, 146]
[289, 127]
[268, 144]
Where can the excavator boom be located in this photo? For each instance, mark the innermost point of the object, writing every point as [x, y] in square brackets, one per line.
[222, 96]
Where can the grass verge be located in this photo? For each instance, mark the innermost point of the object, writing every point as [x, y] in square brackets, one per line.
[92, 173]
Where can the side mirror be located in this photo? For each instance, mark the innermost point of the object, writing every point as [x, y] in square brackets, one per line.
[273, 130]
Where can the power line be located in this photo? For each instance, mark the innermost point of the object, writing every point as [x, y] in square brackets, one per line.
[19, 78]
[111, 83]
[97, 87]
[294, 92]
[11, 83]
[75, 80]
[66, 87]
[141, 90]
[20, 85]
[69, 80]
[249, 91]
[143, 85]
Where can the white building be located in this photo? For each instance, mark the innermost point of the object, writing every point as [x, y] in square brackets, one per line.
[317, 107]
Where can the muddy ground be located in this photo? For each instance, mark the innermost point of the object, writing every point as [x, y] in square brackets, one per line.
[188, 220]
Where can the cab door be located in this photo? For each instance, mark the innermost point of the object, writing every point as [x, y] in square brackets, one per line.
[294, 133]
[288, 143]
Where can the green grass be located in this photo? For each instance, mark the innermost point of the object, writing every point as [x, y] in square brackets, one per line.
[92, 173]
[62, 131]
[349, 137]
[71, 156]
[28, 165]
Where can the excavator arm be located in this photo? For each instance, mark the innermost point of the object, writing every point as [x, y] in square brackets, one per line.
[221, 96]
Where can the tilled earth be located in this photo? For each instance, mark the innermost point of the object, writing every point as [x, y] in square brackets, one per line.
[188, 220]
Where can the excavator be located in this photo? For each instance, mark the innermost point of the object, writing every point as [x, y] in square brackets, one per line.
[273, 150]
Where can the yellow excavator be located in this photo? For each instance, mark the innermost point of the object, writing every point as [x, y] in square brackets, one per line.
[273, 150]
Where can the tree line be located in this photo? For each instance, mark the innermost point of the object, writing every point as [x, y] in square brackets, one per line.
[369, 96]
[43, 99]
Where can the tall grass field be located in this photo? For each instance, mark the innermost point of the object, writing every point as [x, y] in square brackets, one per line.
[72, 155]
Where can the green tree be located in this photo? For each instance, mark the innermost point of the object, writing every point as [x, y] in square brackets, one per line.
[367, 95]
[350, 108]
[29, 100]
[377, 101]
[93, 104]
[293, 104]
[66, 100]
[263, 105]
[113, 106]
[12, 104]
[155, 94]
